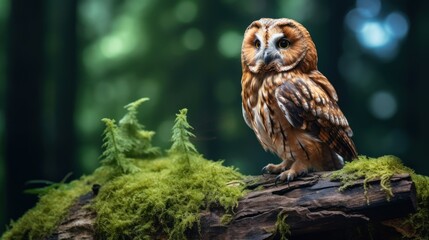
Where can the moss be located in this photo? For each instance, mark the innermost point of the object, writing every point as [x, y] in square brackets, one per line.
[226, 219]
[161, 196]
[52, 206]
[370, 169]
[164, 196]
[384, 168]
[282, 228]
[159, 199]
[419, 221]
[162, 199]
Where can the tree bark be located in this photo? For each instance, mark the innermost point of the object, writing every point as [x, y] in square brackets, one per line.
[312, 206]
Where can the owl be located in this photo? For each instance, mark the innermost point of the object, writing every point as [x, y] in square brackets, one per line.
[288, 103]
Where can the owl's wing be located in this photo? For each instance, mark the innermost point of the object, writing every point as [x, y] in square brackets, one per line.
[309, 105]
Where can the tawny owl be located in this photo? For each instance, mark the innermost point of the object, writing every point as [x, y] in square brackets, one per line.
[289, 104]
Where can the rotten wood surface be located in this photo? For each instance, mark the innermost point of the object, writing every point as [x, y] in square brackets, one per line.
[313, 206]
[79, 223]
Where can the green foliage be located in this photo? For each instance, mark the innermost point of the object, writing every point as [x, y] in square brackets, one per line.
[139, 199]
[50, 185]
[282, 228]
[182, 146]
[384, 168]
[133, 131]
[161, 200]
[127, 141]
[226, 219]
[115, 147]
[419, 221]
[41, 220]
[370, 169]
[181, 134]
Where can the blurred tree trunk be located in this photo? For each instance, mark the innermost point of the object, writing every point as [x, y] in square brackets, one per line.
[41, 95]
[64, 76]
[23, 125]
[335, 33]
[416, 84]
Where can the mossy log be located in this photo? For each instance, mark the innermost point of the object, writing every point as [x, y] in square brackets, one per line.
[310, 206]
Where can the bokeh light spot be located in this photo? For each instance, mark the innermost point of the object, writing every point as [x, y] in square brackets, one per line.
[373, 35]
[111, 46]
[396, 24]
[186, 11]
[354, 20]
[193, 39]
[383, 105]
[368, 8]
[229, 44]
[301, 10]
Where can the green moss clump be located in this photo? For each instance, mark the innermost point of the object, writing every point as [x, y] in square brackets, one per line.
[51, 207]
[161, 199]
[384, 168]
[41, 220]
[167, 194]
[226, 219]
[370, 169]
[282, 228]
[419, 221]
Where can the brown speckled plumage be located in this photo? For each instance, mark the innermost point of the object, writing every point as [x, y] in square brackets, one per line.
[289, 104]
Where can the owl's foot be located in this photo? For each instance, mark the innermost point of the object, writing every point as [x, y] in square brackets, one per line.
[274, 168]
[289, 175]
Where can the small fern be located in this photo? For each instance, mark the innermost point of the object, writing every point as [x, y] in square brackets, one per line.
[115, 146]
[133, 131]
[127, 141]
[180, 138]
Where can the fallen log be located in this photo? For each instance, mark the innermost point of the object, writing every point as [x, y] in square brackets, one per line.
[313, 206]
[306, 208]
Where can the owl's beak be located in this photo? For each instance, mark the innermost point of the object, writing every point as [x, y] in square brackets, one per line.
[269, 56]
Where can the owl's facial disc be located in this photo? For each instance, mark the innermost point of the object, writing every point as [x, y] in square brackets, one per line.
[269, 57]
[277, 45]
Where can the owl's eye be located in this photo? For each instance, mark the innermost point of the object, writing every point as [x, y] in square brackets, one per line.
[257, 44]
[283, 43]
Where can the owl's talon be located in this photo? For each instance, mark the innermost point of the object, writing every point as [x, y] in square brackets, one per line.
[264, 170]
[278, 178]
[289, 178]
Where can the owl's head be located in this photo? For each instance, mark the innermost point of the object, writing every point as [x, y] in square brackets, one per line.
[277, 45]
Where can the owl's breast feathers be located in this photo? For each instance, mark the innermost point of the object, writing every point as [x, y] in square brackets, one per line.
[284, 106]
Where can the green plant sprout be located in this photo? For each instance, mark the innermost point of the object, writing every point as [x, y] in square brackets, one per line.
[127, 141]
[50, 185]
[139, 139]
[115, 147]
[182, 145]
